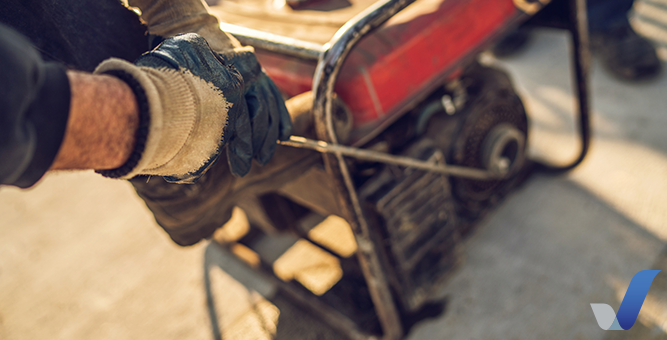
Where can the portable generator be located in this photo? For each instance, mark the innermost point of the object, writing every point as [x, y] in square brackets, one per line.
[418, 140]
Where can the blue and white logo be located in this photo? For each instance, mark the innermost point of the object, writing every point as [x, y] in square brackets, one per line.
[630, 306]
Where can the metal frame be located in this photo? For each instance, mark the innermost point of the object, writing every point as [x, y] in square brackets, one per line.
[577, 25]
[330, 58]
[324, 81]
[275, 43]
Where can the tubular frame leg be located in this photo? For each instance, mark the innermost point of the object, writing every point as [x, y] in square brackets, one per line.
[577, 25]
[367, 255]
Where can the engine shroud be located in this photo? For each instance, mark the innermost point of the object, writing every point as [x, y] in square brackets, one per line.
[415, 216]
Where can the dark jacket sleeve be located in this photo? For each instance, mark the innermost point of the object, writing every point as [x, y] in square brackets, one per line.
[34, 106]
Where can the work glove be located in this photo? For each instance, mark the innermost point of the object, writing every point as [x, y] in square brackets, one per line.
[191, 105]
[269, 119]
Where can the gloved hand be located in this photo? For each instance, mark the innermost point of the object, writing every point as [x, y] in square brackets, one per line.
[269, 119]
[191, 104]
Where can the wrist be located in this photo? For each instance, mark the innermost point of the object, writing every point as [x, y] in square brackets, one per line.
[101, 128]
[141, 132]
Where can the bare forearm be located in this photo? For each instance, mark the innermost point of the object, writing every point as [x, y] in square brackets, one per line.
[102, 123]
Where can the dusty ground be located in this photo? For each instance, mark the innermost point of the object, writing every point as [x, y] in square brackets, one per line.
[81, 258]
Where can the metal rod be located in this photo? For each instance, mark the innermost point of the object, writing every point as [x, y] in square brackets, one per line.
[375, 156]
[274, 43]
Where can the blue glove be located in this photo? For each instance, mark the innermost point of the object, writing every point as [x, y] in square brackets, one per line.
[269, 118]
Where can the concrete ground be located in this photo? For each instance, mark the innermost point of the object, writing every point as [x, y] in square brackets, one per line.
[81, 257]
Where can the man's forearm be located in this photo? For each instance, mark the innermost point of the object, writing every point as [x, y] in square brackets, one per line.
[102, 123]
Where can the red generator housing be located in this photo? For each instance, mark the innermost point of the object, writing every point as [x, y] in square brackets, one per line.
[391, 69]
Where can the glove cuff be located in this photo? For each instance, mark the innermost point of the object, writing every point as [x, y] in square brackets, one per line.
[142, 130]
[186, 121]
[172, 112]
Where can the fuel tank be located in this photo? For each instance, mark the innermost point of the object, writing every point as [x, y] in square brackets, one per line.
[389, 71]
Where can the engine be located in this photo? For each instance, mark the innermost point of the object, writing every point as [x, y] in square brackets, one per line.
[476, 121]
